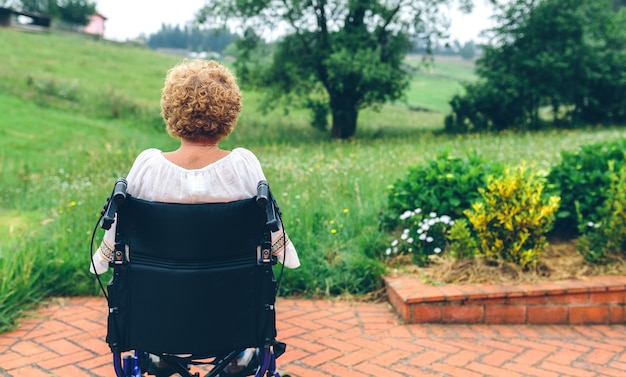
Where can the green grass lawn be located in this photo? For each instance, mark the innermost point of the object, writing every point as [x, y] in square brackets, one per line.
[76, 111]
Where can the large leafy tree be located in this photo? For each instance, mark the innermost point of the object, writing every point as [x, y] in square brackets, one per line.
[335, 55]
[568, 56]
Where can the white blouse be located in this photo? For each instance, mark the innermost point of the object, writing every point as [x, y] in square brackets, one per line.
[234, 177]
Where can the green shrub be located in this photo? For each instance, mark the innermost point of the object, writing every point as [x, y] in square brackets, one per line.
[446, 185]
[485, 107]
[422, 236]
[582, 180]
[512, 219]
[607, 237]
[462, 243]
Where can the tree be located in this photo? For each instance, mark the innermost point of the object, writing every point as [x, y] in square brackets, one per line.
[337, 56]
[191, 37]
[568, 56]
[468, 50]
[37, 6]
[76, 12]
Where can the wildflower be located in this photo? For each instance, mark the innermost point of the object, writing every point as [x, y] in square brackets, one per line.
[345, 210]
[406, 215]
[429, 239]
[331, 222]
[333, 231]
[422, 237]
[433, 214]
[388, 251]
[445, 219]
[404, 236]
[410, 240]
[437, 250]
[72, 203]
[394, 243]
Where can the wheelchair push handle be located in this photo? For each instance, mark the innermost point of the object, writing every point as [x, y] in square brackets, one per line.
[265, 199]
[118, 195]
[263, 194]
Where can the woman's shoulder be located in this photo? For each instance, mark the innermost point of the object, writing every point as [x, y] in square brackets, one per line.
[245, 154]
[147, 155]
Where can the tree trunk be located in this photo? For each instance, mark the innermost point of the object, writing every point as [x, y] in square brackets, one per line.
[344, 114]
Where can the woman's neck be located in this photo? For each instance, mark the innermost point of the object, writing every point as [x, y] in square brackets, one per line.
[196, 154]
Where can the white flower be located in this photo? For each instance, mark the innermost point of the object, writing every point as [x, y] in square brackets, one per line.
[590, 224]
[410, 240]
[445, 219]
[422, 237]
[432, 222]
[420, 231]
[437, 250]
[395, 250]
[433, 214]
[406, 215]
[394, 243]
[388, 251]
[429, 239]
[425, 227]
[418, 210]
[404, 236]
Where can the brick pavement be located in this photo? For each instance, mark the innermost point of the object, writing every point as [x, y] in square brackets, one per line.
[65, 338]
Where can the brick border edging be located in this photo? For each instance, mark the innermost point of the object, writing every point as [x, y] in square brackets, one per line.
[596, 300]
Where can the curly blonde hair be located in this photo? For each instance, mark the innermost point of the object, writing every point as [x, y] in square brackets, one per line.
[200, 101]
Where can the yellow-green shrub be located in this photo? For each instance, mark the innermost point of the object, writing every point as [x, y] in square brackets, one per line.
[512, 219]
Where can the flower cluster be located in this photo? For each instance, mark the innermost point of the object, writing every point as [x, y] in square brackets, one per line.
[422, 235]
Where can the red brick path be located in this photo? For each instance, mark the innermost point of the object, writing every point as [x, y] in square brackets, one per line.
[65, 338]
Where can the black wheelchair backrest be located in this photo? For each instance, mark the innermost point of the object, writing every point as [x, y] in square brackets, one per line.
[194, 283]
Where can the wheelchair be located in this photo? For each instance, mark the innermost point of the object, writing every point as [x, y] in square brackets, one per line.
[192, 284]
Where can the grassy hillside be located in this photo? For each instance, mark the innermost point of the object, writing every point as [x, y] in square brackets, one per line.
[76, 111]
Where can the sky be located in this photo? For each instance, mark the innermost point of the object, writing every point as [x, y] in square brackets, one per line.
[129, 19]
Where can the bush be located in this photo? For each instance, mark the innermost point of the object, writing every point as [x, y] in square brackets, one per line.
[445, 185]
[607, 237]
[513, 218]
[422, 236]
[462, 243]
[485, 107]
[582, 180]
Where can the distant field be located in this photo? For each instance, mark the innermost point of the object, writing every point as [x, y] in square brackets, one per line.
[437, 82]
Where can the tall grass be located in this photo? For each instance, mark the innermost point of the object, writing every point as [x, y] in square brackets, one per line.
[62, 145]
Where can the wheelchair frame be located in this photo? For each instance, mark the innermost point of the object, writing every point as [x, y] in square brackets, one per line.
[139, 363]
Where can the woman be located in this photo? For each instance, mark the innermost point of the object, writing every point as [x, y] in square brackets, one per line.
[200, 104]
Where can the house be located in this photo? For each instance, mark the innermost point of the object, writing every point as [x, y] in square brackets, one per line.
[95, 25]
[24, 20]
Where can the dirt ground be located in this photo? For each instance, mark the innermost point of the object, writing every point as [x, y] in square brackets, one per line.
[559, 261]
